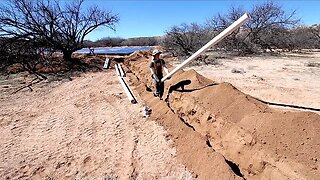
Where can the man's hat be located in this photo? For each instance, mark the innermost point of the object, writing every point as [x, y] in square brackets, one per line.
[156, 51]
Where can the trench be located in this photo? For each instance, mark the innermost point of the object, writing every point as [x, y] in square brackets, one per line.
[208, 143]
[233, 166]
[181, 119]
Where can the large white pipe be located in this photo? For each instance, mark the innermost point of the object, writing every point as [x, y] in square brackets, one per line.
[244, 18]
[133, 99]
[125, 86]
[117, 70]
[122, 73]
[106, 63]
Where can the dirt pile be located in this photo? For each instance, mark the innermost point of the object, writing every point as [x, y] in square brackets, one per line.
[58, 65]
[192, 149]
[265, 143]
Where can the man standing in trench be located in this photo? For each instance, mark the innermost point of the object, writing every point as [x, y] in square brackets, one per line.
[157, 65]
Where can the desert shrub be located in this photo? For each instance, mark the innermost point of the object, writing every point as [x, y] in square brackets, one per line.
[186, 39]
[109, 42]
[270, 27]
[141, 41]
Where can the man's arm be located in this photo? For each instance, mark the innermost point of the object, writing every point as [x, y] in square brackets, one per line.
[152, 71]
[153, 74]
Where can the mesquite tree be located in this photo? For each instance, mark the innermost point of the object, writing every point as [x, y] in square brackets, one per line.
[269, 27]
[186, 38]
[58, 26]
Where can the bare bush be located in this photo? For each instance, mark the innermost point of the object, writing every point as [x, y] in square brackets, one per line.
[315, 30]
[118, 41]
[270, 27]
[109, 42]
[141, 41]
[306, 37]
[237, 40]
[186, 38]
[88, 43]
[24, 52]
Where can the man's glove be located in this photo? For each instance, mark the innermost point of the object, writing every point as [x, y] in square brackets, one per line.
[155, 77]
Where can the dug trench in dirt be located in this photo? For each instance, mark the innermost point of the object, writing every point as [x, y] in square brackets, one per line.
[265, 143]
[192, 150]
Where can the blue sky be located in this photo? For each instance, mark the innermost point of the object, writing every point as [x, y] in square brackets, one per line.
[152, 18]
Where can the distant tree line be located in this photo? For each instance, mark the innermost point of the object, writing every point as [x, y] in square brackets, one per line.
[270, 27]
[118, 41]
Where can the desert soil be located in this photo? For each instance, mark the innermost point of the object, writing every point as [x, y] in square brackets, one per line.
[84, 128]
[287, 79]
[261, 142]
[214, 128]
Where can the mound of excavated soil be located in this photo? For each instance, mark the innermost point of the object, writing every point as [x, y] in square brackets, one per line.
[264, 143]
[192, 148]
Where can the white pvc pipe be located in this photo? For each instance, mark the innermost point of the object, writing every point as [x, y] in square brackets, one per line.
[125, 86]
[121, 70]
[133, 100]
[244, 18]
[117, 70]
[106, 63]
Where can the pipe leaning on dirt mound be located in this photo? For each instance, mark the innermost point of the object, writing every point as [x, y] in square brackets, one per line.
[125, 86]
[244, 18]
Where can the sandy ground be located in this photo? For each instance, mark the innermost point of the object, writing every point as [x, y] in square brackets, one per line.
[257, 141]
[81, 129]
[284, 79]
[87, 129]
